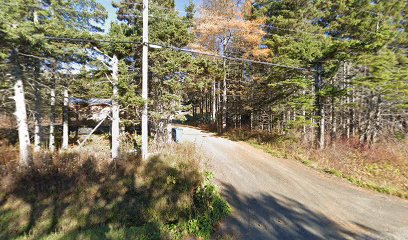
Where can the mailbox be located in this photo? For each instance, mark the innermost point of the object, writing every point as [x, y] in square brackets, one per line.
[176, 134]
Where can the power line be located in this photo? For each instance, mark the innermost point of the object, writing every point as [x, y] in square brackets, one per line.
[44, 7]
[158, 17]
[182, 50]
[303, 32]
[160, 7]
[226, 57]
[265, 26]
[86, 40]
[186, 21]
[33, 56]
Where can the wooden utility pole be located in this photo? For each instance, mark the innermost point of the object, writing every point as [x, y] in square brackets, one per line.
[145, 78]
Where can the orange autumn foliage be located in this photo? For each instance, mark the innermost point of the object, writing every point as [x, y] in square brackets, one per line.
[225, 22]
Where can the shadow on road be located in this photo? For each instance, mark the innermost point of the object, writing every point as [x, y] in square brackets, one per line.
[278, 217]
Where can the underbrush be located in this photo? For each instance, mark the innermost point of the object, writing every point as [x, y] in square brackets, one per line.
[383, 167]
[72, 195]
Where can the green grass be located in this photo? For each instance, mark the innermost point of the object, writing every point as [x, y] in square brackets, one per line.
[76, 196]
[148, 231]
[367, 185]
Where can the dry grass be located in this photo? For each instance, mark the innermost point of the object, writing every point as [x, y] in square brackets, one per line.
[75, 194]
[383, 168]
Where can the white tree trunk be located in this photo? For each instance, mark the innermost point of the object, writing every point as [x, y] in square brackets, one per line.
[224, 99]
[214, 103]
[21, 113]
[65, 130]
[219, 107]
[52, 116]
[37, 114]
[115, 109]
[37, 108]
[319, 107]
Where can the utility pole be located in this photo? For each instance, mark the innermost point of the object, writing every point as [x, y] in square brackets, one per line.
[145, 78]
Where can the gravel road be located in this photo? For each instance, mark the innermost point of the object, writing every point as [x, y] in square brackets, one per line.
[276, 198]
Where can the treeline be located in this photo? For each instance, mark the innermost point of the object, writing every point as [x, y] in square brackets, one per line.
[351, 80]
[339, 69]
[31, 65]
[52, 51]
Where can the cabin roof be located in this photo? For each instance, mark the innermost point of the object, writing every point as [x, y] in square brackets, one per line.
[90, 102]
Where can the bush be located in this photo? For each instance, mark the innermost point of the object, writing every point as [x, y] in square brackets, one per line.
[74, 195]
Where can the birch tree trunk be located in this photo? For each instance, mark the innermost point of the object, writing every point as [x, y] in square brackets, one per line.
[349, 112]
[214, 102]
[52, 116]
[251, 121]
[333, 122]
[319, 107]
[65, 127]
[37, 109]
[224, 98]
[333, 117]
[115, 109]
[37, 95]
[219, 107]
[21, 112]
[377, 120]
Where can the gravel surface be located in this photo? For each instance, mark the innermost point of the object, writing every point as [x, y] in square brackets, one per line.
[276, 198]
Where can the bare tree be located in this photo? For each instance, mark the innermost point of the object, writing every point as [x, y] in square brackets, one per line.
[21, 112]
[115, 108]
[52, 113]
[65, 126]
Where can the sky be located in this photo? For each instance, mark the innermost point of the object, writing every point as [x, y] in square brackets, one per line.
[112, 12]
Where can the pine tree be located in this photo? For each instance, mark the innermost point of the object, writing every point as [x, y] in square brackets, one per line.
[24, 26]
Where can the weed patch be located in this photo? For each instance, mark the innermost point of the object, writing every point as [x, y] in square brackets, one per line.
[382, 168]
[78, 196]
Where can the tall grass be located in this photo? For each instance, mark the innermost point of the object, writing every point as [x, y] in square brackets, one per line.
[75, 195]
[382, 167]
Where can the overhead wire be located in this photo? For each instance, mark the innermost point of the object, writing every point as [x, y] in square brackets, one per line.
[33, 56]
[153, 45]
[227, 57]
[186, 21]
[41, 7]
[86, 40]
[195, 51]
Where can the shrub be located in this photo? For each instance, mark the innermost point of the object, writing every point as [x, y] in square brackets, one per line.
[74, 194]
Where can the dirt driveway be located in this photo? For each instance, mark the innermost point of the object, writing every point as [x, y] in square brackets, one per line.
[276, 198]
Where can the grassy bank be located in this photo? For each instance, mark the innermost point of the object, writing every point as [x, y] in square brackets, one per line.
[73, 195]
[382, 168]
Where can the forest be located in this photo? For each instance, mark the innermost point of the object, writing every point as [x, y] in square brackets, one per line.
[323, 82]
